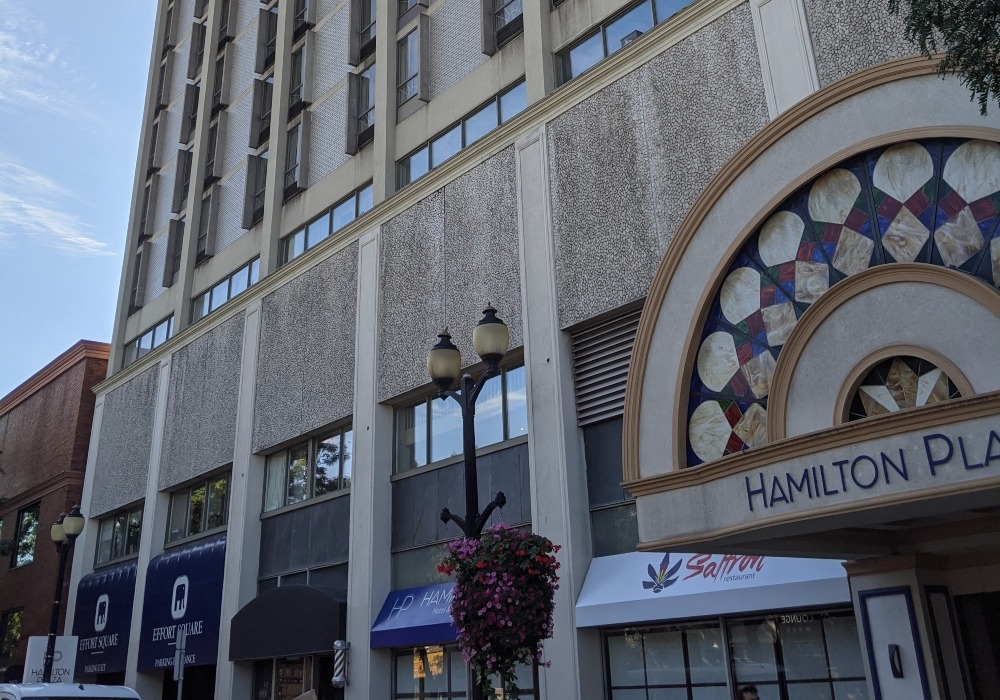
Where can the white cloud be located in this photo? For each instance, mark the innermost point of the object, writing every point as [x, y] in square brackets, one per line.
[31, 211]
[32, 73]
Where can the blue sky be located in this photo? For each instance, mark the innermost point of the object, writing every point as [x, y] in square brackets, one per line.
[72, 84]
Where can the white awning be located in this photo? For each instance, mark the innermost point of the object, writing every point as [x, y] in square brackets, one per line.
[651, 587]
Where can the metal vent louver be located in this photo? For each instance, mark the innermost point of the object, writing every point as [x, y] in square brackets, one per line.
[601, 356]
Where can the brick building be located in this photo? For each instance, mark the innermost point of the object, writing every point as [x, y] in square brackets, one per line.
[44, 438]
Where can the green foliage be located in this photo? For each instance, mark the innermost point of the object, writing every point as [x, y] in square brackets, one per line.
[967, 30]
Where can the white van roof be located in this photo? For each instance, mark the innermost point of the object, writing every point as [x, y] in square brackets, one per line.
[43, 691]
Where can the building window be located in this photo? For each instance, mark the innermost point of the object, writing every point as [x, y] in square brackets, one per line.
[615, 35]
[431, 430]
[799, 655]
[437, 671]
[161, 82]
[23, 550]
[205, 247]
[267, 39]
[408, 66]
[212, 153]
[152, 338]
[227, 21]
[260, 122]
[366, 28]
[146, 211]
[406, 5]
[196, 58]
[315, 467]
[303, 16]
[295, 158]
[118, 535]
[256, 191]
[472, 128]
[226, 289]
[297, 97]
[175, 245]
[219, 80]
[153, 163]
[169, 31]
[365, 101]
[199, 8]
[507, 20]
[201, 507]
[182, 179]
[342, 213]
[900, 383]
[189, 115]
[10, 633]
[134, 296]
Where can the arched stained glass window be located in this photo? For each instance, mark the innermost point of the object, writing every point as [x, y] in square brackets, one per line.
[932, 202]
[899, 383]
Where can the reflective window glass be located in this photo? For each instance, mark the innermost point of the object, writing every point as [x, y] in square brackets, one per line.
[317, 230]
[446, 429]
[582, 56]
[411, 437]
[238, 282]
[622, 31]
[481, 123]
[218, 500]
[517, 402]
[298, 475]
[343, 213]
[219, 294]
[274, 484]
[513, 102]
[328, 453]
[364, 199]
[178, 516]
[196, 512]
[346, 457]
[446, 145]
[489, 413]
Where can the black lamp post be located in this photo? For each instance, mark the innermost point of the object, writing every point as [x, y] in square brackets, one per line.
[490, 339]
[64, 533]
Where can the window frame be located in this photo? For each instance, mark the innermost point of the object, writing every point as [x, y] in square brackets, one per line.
[344, 433]
[408, 84]
[111, 520]
[427, 402]
[8, 642]
[139, 346]
[186, 492]
[19, 533]
[251, 269]
[362, 201]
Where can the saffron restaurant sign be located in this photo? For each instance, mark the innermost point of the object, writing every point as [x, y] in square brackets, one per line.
[946, 455]
[650, 587]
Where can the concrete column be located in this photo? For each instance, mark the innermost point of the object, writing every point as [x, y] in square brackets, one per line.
[785, 51]
[371, 495]
[539, 61]
[909, 642]
[559, 508]
[384, 146]
[154, 524]
[246, 493]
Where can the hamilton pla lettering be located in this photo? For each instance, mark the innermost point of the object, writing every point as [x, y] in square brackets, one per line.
[938, 454]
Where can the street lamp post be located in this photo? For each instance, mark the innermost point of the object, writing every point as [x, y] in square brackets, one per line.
[490, 339]
[64, 533]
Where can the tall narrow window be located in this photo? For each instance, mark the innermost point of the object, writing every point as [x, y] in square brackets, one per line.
[293, 161]
[296, 81]
[408, 67]
[169, 21]
[147, 195]
[161, 82]
[219, 84]
[367, 28]
[212, 168]
[256, 190]
[260, 123]
[366, 105]
[196, 57]
[10, 632]
[507, 20]
[190, 113]
[303, 16]
[175, 243]
[133, 297]
[23, 550]
[227, 21]
[267, 39]
[153, 162]
[182, 182]
[206, 225]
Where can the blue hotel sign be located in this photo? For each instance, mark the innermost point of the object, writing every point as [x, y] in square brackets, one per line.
[933, 456]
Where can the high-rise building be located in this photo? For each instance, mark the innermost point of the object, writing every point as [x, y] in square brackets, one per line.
[719, 232]
[45, 428]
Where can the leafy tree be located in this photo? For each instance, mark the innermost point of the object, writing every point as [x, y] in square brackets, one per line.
[967, 30]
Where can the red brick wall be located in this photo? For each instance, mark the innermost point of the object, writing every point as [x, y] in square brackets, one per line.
[45, 444]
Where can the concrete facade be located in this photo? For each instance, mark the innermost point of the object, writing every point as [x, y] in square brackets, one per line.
[643, 177]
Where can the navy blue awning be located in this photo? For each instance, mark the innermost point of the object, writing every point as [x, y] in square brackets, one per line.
[103, 618]
[183, 587]
[415, 616]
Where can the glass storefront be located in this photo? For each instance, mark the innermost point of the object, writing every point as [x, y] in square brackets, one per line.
[288, 678]
[800, 655]
[438, 672]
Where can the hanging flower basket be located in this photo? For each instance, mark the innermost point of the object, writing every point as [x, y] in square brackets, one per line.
[505, 583]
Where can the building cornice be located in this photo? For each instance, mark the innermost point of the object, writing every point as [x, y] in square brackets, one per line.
[83, 349]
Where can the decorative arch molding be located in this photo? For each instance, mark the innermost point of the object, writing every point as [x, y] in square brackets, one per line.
[960, 282]
[807, 114]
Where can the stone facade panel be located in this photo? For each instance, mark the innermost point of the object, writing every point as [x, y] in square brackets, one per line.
[850, 35]
[305, 371]
[126, 436]
[199, 433]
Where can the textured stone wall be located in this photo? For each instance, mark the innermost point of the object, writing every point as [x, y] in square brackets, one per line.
[199, 434]
[627, 163]
[849, 35]
[442, 261]
[455, 42]
[305, 365]
[121, 468]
